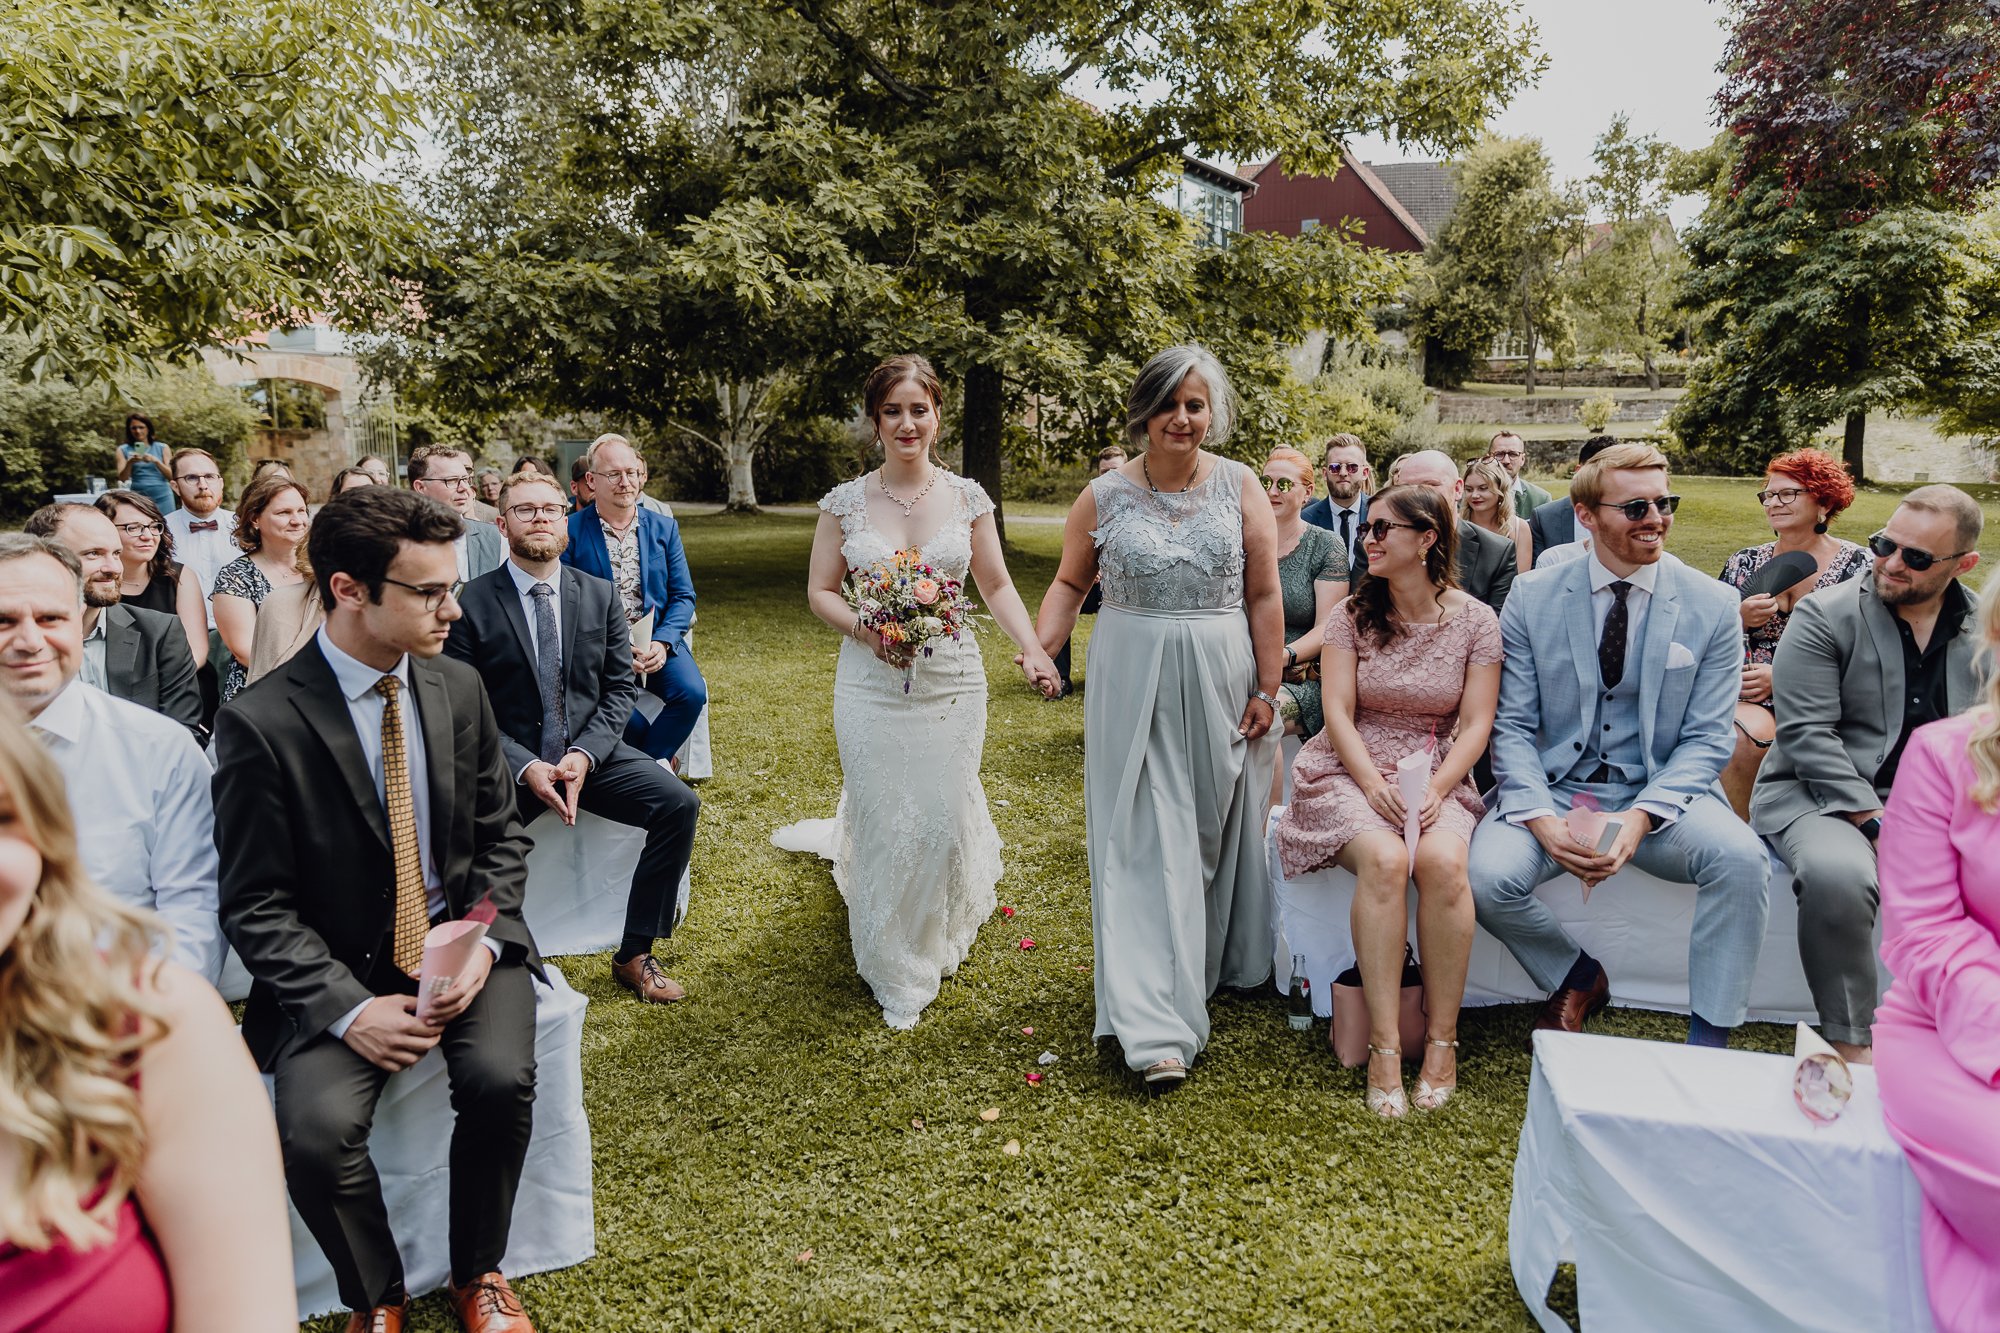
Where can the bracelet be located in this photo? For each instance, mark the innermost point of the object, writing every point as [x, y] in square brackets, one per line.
[1291, 656]
[1259, 694]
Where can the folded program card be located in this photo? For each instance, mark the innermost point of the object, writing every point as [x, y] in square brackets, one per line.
[1413, 777]
[1821, 1080]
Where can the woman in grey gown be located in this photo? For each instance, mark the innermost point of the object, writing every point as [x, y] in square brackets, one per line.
[1178, 750]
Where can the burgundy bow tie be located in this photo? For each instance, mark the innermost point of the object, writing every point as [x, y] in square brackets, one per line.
[212, 525]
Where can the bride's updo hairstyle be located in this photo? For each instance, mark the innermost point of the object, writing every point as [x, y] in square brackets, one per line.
[896, 370]
[1159, 379]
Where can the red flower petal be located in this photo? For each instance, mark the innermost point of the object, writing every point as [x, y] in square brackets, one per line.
[1027, 944]
[1006, 911]
[1034, 1078]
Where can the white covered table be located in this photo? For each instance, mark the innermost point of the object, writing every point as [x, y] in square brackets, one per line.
[1691, 1193]
[554, 1225]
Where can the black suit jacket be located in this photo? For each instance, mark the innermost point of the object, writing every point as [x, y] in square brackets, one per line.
[598, 685]
[146, 660]
[1552, 524]
[308, 880]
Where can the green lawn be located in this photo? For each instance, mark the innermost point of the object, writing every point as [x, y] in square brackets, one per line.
[770, 1156]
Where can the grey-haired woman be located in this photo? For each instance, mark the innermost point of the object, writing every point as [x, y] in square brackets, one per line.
[1178, 749]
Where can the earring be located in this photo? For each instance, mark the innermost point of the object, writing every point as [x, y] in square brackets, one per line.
[1820, 527]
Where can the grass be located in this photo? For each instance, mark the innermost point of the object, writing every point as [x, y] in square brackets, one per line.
[769, 1156]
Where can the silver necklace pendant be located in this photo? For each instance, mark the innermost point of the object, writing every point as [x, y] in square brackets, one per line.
[910, 506]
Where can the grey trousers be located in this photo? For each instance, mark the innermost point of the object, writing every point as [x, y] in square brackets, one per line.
[1833, 877]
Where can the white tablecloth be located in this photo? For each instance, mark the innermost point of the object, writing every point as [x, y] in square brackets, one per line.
[554, 1225]
[1692, 1194]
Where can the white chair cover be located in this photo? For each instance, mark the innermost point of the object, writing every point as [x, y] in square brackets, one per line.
[578, 881]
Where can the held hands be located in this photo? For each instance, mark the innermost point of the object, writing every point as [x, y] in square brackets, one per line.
[1757, 611]
[649, 659]
[559, 785]
[386, 1032]
[1040, 669]
[1756, 684]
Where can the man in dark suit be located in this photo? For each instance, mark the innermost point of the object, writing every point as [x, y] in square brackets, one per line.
[1486, 564]
[128, 651]
[1345, 507]
[551, 645]
[639, 553]
[1554, 523]
[361, 796]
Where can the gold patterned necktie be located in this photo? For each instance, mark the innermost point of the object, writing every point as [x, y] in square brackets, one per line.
[413, 919]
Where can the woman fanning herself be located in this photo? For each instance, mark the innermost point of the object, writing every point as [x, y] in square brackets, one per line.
[914, 850]
[1412, 665]
[142, 1190]
[271, 521]
[1177, 754]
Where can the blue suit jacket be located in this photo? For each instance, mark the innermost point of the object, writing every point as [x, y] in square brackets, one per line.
[663, 569]
[1549, 685]
[1319, 513]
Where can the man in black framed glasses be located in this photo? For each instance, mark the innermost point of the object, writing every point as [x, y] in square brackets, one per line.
[1619, 684]
[1862, 665]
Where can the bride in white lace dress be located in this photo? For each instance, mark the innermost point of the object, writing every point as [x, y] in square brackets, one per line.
[914, 851]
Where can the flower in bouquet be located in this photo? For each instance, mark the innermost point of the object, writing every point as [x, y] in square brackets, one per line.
[909, 604]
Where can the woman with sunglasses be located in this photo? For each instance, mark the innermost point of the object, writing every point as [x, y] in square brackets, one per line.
[1412, 665]
[1312, 578]
[152, 578]
[1804, 491]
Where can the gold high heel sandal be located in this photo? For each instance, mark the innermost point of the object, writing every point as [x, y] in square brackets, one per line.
[1387, 1102]
[1429, 1098]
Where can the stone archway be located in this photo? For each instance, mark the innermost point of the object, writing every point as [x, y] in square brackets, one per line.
[313, 454]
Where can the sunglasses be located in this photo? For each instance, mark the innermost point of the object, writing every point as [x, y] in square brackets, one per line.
[1915, 559]
[1338, 468]
[1378, 528]
[1282, 485]
[1635, 510]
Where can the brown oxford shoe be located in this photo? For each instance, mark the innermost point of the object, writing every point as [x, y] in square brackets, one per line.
[1566, 1010]
[380, 1318]
[488, 1305]
[642, 976]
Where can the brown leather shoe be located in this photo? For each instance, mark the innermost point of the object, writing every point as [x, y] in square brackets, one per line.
[488, 1305]
[642, 976]
[1566, 1010]
[380, 1318]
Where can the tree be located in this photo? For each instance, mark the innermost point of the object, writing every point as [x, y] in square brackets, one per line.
[173, 176]
[1497, 261]
[918, 177]
[1624, 287]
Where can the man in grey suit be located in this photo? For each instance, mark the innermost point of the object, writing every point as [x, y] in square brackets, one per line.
[1619, 682]
[128, 651]
[445, 475]
[1861, 665]
[1486, 565]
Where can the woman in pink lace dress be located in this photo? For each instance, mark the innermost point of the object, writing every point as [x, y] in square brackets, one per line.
[1412, 663]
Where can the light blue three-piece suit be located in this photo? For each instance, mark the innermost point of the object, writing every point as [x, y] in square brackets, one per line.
[1658, 742]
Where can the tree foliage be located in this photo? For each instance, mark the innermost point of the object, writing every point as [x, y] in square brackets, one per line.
[1623, 287]
[174, 175]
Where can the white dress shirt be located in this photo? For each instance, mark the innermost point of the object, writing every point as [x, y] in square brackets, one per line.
[94, 671]
[145, 822]
[365, 705]
[524, 582]
[207, 552]
[464, 561]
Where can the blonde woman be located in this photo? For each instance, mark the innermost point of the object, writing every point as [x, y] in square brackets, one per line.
[1489, 503]
[144, 1192]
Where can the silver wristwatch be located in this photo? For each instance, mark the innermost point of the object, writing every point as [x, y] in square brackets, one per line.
[1269, 699]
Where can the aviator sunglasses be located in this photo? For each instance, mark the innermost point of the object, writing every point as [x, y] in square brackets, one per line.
[1914, 558]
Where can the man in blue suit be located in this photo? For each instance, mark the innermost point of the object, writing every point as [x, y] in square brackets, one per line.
[1619, 681]
[1345, 506]
[639, 552]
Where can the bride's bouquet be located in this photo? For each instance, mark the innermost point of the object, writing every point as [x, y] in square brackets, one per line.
[910, 604]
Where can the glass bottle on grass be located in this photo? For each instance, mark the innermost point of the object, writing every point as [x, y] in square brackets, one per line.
[1299, 1010]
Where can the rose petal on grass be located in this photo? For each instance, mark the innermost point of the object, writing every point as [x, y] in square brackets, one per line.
[1047, 1058]
[803, 1257]
[1012, 1147]
[990, 1114]
[1035, 1079]
[1006, 911]
[1026, 944]
[1027, 1032]
[917, 1122]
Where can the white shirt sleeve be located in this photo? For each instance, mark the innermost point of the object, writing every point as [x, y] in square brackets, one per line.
[184, 858]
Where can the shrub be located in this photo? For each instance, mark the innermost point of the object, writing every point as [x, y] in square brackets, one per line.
[1595, 413]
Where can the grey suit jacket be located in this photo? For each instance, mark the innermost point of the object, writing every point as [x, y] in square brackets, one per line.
[485, 549]
[1837, 683]
[146, 660]
[1486, 564]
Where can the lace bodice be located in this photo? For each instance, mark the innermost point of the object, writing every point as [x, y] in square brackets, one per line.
[1172, 552]
[949, 549]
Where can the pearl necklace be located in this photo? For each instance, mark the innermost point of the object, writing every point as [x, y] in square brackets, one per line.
[909, 506]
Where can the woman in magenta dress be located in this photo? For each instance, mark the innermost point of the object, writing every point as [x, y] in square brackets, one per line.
[1412, 663]
[143, 1186]
[1937, 1034]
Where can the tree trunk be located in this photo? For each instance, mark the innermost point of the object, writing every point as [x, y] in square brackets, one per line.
[1646, 347]
[1851, 448]
[1528, 327]
[737, 453]
[985, 419]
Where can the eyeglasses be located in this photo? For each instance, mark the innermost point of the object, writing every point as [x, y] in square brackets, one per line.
[434, 596]
[1635, 510]
[1339, 468]
[141, 529]
[1282, 485]
[463, 479]
[199, 477]
[1378, 528]
[1915, 559]
[622, 474]
[1504, 454]
[532, 513]
[1787, 496]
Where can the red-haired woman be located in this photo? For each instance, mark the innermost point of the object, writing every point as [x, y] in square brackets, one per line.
[1804, 491]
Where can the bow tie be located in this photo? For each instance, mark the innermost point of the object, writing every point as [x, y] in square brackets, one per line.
[212, 525]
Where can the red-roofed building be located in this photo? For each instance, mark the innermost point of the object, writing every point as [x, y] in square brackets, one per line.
[1400, 205]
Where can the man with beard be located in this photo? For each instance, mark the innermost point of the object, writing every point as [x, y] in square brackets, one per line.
[1861, 666]
[1619, 682]
[551, 644]
[1345, 507]
[128, 651]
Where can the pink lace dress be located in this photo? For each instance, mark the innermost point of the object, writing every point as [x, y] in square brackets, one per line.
[1404, 694]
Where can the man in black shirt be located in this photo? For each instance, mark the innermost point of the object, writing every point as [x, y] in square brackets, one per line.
[1862, 665]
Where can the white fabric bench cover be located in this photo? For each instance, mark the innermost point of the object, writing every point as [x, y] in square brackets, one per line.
[578, 880]
[1691, 1193]
[554, 1225]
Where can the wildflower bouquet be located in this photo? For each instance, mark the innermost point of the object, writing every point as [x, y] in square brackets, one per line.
[910, 604]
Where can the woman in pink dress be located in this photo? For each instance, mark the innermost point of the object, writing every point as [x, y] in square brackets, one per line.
[1412, 664]
[1937, 1034]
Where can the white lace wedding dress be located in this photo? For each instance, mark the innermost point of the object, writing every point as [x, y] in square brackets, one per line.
[914, 850]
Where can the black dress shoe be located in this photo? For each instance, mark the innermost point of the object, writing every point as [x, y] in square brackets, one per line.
[1566, 1010]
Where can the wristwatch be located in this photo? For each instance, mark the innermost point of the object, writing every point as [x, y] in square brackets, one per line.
[1291, 656]
[1269, 699]
[1871, 829]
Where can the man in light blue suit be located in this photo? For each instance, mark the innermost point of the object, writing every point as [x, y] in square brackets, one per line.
[1620, 682]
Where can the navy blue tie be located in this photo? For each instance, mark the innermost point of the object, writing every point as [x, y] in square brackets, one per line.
[548, 674]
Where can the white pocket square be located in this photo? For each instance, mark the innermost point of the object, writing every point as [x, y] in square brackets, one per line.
[1678, 656]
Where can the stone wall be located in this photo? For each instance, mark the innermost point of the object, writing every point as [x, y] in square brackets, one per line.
[1467, 408]
[1511, 372]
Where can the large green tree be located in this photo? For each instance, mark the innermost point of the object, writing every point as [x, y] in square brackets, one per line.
[1623, 287]
[798, 187]
[176, 174]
